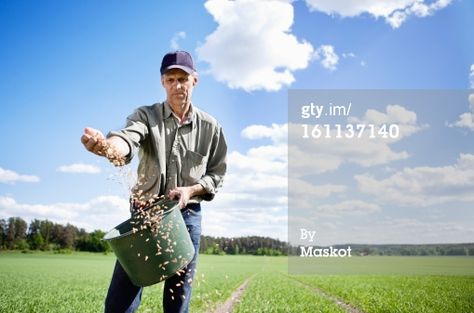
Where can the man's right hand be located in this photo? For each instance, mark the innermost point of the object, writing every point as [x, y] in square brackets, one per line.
[115, 149]
[94, 141]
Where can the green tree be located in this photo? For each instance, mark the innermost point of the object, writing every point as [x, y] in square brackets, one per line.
[34, 237]
[93, 242]
[3, 233]
[46, 230]
[16, 233]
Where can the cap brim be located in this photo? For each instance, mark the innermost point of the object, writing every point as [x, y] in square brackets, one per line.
[184, 68]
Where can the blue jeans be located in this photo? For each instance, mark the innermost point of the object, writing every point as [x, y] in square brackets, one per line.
[124, 297]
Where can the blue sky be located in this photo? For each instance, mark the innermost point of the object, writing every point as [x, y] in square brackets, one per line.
[66, 65]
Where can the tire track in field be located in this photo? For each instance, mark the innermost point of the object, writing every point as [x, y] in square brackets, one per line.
[346, 306]
[228, 306]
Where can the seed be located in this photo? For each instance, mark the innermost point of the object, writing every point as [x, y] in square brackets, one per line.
[146, 257]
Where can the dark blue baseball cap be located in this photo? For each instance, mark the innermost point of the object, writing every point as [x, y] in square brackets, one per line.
[177, 59]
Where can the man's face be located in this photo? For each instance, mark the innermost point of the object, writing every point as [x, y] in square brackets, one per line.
[179, 87]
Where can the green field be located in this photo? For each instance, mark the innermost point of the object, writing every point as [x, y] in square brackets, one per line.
[43, 282]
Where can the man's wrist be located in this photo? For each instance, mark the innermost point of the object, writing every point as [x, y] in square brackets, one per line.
[120, 145]
[196, 190]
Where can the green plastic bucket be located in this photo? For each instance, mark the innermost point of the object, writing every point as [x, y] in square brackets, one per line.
[151, 257]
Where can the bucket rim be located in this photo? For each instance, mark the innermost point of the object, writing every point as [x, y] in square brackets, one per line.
[166, 212]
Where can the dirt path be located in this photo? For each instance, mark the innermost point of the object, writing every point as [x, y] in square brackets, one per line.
[347, 307]
[235, 297]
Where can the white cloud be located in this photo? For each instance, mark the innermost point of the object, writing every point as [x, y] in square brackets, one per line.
[301, 187]
[299, 191]
[254, 198]
[327, 56]
[466, 120]
[471, 77]
[226, 221]
[277, 133]
[427, 230]
[11, 177]
[252, 47]
[174, 44]
[265, 164]
[351, 207]
[424, 186]
[394, 114]
[348, 55]
[320, 155]
[80, 168]
[103, 212]
[395, 12]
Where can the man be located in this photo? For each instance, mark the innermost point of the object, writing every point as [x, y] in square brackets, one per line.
[182, 154]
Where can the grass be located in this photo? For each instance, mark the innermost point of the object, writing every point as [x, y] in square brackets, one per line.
[43, 282]
[401, 294]
[383, 265]
[216, 278]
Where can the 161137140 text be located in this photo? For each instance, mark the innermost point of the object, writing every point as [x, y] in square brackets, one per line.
[350, 131]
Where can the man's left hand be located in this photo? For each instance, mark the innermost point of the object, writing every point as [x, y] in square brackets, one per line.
[181, 193]
[186, 193]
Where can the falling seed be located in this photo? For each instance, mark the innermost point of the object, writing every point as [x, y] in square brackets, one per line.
[171, 290]
[138, 254]
[146, 257]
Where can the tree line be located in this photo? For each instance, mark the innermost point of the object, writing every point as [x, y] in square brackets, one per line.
[16, 234]
[453, 249]
[254, 245]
